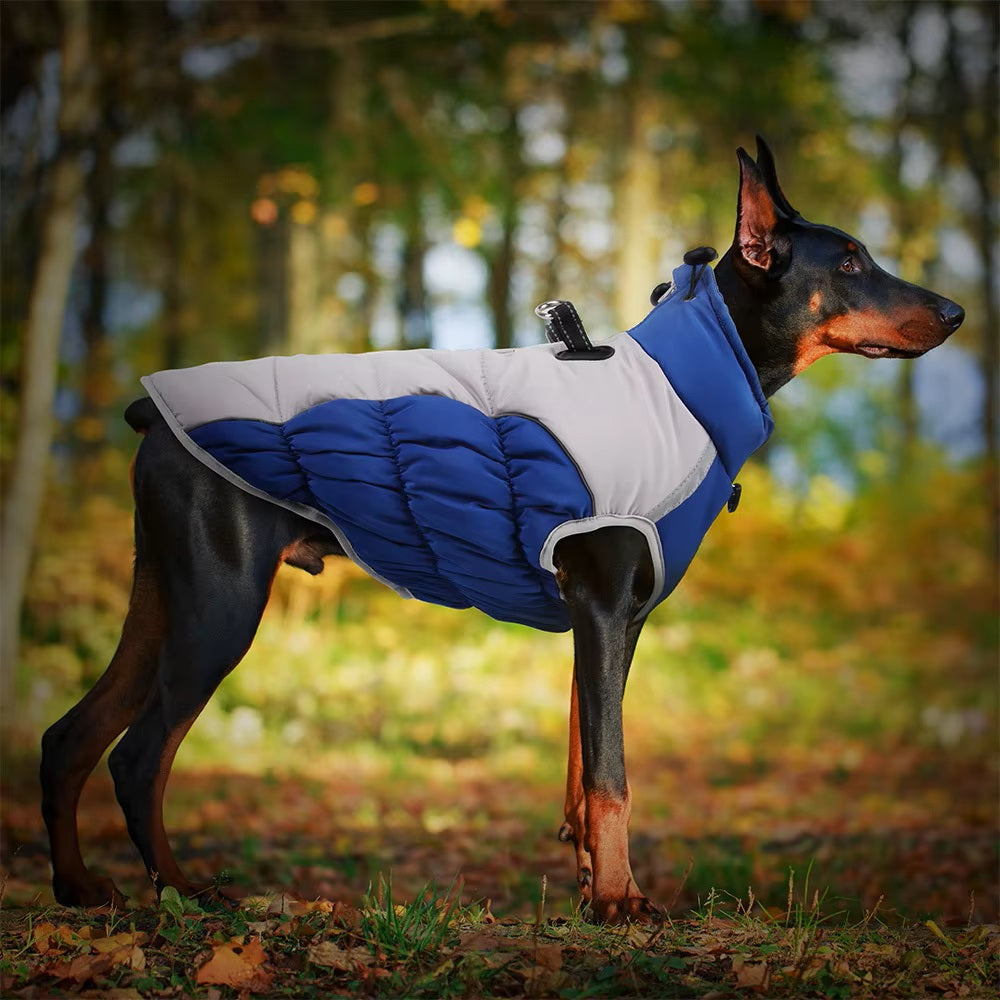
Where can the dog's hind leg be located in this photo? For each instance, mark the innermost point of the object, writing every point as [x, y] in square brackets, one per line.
[215, 550]
[575, 808]
[220, 620]
[72, 746]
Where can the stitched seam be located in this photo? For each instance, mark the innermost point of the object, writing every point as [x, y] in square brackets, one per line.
[688, 485]
[513, 494]
[487, 392]
[277, 397]
[396, 461]
[566, 452]
[294, 452]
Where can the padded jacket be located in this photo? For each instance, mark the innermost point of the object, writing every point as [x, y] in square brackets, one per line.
[451, 476]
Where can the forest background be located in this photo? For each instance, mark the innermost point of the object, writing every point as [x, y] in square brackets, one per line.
[187, 181]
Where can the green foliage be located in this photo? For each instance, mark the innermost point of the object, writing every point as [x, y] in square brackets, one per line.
[408, 933]
[175, 909]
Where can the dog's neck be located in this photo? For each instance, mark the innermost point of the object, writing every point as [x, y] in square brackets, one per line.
[767, 345]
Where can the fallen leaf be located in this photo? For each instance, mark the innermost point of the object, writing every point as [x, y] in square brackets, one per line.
[331, 956]
[549, 957]
[262, 927]
[235, 964]
[126, 939]
[41, 936]
[46, 937]
[82, 968]
[751, 975]
[290, 905]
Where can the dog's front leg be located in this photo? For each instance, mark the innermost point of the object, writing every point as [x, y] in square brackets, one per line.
[606, 577]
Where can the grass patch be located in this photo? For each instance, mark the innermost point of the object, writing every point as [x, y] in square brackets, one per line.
[437, 946]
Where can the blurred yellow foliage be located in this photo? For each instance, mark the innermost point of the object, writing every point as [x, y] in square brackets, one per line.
[304, 212]
[466, 232]
[366, 193]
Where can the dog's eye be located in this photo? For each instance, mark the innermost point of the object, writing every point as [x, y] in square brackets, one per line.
[849, 265]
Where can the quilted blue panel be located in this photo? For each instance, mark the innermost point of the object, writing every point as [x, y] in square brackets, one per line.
[432, 494]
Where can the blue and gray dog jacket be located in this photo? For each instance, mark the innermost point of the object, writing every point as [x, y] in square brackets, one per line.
[451, 476]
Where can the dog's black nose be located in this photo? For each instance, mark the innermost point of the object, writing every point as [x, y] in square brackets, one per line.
[951, 315]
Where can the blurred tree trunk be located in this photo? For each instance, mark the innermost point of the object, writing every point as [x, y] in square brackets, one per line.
[414, 309]
[305, 334]
[500, 259]
[906, 217]
[639, 194]
[272, 286]
[970, 111]
[47, 305]
[173, 257]
[96, 391]
[350, 147]
[550, 279]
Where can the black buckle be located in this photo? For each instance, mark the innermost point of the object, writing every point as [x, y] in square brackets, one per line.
[698, 259]
[657, 293]
[734, 498]
[564, 326]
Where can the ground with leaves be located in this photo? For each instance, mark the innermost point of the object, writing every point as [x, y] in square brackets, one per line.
[831, 912]
[435, 947]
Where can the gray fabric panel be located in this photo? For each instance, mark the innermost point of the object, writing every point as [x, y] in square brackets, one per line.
[241, 390]
[626, 428]
[629, 433]
[687, 486]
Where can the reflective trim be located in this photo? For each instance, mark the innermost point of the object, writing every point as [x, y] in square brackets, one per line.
[588, 524]
[688, 486]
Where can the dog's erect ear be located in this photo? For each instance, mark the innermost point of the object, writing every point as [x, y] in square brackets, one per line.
[761, 251]
[765, 164]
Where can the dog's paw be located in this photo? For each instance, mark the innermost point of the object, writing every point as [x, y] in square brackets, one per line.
[584, 868]
[633, 909]
[95, 890]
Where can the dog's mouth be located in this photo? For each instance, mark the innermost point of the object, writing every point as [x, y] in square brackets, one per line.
[885, 351]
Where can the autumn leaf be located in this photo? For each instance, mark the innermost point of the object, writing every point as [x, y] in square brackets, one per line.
[751, 975]
[332, 956]
[285, 904]
[82, 968]
[124, 948]
[105, 952]
[548, 957]
[234, 963]
[41, 937]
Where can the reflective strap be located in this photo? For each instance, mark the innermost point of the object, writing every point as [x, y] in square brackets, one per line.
[563, 325]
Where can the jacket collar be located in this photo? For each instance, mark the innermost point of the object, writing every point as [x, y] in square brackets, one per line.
[693, 339]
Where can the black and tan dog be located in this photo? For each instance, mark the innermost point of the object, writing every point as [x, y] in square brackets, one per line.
[207, 551]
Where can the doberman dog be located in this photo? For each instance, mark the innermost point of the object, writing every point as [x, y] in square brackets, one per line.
[207, 551]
